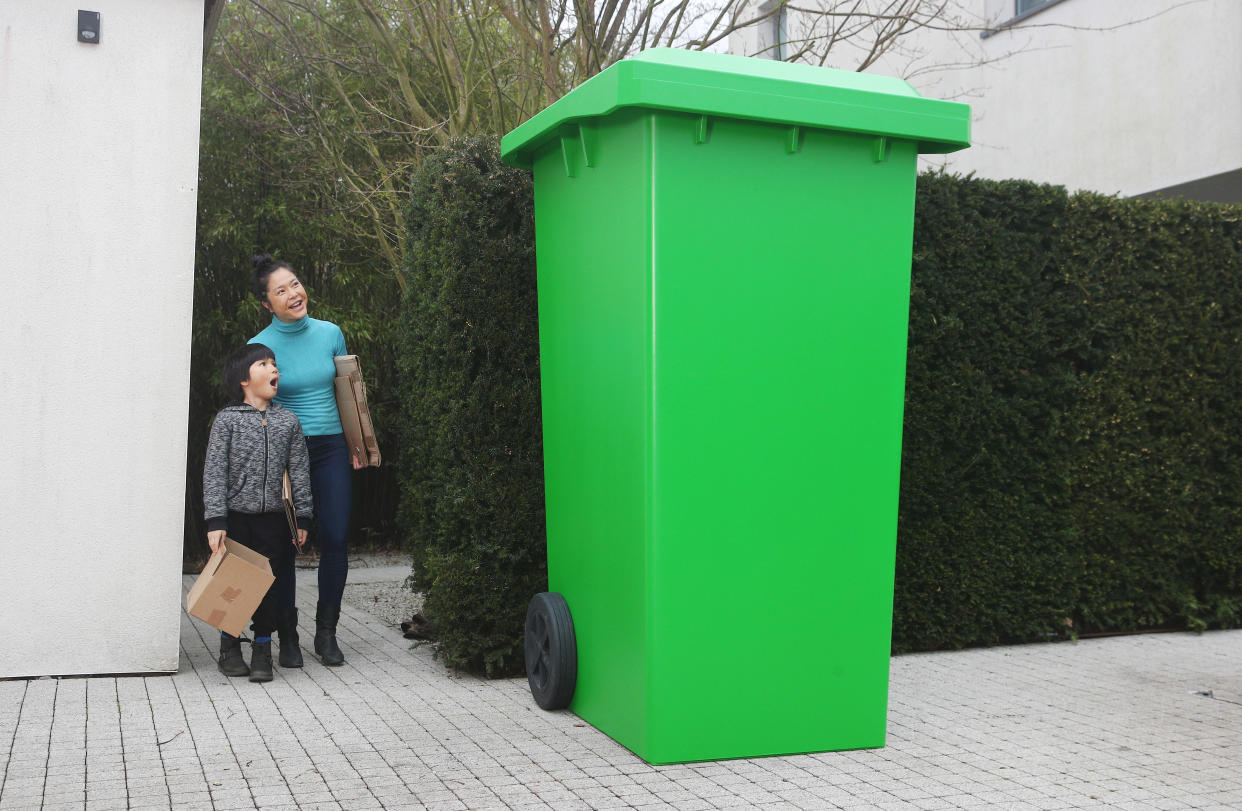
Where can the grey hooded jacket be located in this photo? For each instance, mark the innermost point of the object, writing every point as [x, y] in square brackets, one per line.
[246, 461]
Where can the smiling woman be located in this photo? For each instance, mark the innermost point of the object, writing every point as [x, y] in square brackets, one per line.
[304, 348]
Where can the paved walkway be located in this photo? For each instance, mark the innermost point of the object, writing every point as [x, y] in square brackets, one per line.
[1132, 722]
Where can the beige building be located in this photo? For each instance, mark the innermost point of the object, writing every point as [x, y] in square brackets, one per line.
[1132, 97]
[99, 118]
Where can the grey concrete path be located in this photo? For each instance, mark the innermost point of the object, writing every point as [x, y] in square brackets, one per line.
[1134, 722]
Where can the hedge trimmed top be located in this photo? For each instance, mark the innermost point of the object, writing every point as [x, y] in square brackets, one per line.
[756, 89]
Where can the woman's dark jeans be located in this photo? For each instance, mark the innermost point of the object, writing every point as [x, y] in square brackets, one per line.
[331, 489]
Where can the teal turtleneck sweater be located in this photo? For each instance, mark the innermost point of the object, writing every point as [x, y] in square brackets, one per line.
[304, 351]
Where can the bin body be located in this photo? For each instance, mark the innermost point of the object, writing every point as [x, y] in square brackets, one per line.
[723, 305]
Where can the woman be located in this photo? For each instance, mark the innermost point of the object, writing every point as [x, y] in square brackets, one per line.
[304, 348]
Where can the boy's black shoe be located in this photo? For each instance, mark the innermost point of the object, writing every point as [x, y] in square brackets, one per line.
[287, 630]
[261, 661]
[231, 662]
[326, 615]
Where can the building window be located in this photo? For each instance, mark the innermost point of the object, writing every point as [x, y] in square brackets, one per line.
[1026, 6]
[774, 40]
[1022, 9]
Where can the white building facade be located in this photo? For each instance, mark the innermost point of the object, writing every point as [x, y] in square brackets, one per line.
[1128, 97]
[99, 120]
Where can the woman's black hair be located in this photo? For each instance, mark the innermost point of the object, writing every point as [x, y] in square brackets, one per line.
[264, 266]
[237, 368]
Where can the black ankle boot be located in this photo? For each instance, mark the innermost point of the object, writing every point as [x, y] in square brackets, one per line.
[326, 615]
[261, 661]
[287, 630]
[231, 662]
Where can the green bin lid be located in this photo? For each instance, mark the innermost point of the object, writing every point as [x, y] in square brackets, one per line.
[754, 89]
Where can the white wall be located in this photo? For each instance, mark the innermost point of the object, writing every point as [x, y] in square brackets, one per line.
[1141, 107]
[98, 184]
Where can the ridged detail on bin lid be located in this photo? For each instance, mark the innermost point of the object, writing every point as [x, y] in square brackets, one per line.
[755, 89]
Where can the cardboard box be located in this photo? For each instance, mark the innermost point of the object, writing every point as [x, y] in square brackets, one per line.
[230, 588]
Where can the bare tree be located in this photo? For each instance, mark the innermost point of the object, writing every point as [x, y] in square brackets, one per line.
[362, 89]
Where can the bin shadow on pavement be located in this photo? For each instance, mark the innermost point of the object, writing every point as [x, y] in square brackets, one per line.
[1131, 722]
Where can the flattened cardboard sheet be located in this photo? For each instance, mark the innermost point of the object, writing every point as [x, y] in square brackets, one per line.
[351, 401]
[286, 498]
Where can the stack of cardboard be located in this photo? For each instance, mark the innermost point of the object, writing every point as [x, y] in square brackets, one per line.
[351, 401]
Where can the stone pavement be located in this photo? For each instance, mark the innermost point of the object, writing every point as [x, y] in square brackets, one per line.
[1149, 721]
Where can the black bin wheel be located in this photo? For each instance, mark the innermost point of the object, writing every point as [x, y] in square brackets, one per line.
[551, 651]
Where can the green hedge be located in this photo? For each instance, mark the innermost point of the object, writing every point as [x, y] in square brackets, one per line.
[1157, 460]
[472, 449]
[984, 551]
[1071, 453]
[1071, 460]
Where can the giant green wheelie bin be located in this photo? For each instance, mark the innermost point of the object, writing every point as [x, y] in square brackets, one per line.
[723, 249]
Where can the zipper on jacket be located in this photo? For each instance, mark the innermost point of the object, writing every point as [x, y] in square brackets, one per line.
[263, 416]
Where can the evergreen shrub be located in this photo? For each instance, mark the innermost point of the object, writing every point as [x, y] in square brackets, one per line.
[984, 552]
[1157, 455]
[1071, 458]
[472, 449]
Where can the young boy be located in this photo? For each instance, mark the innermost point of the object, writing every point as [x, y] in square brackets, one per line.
[253, 442]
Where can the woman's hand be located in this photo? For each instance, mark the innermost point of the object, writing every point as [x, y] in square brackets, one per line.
[214, 539]
[300, 541]
[353, 457]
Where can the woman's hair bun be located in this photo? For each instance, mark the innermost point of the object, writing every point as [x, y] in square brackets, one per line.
[264, 266]
[261, 262]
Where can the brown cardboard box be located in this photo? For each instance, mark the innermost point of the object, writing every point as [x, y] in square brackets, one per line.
[351, 402]
[230, 588]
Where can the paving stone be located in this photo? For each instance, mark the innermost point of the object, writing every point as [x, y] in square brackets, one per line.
[1111, 723]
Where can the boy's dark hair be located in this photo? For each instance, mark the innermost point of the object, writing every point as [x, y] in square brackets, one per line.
[237, 368]
[264, 266]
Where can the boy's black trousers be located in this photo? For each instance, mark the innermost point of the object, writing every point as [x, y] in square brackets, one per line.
[267, 534]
